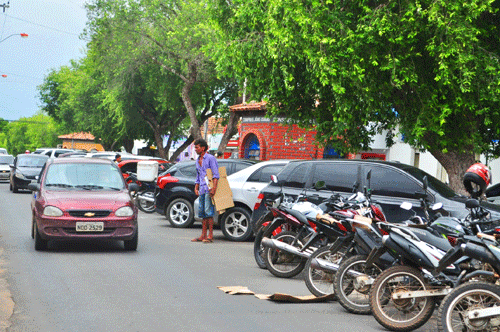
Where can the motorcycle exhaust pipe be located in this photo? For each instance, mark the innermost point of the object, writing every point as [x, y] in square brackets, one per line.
[271, 243]
[327, 266]
[147, 199]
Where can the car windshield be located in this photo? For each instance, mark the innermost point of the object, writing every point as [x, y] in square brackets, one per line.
[84, 176]
[6, 160]
[434, 183]
[31, 162]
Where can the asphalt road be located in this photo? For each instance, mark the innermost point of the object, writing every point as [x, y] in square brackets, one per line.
[169, 284]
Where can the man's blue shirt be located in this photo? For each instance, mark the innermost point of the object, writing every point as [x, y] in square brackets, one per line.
[208, 161]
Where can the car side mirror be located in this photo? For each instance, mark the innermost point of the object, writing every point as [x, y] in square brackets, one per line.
[133, 187]
[425, 183]
[34, 186]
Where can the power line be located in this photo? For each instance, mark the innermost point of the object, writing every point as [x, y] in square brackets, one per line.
[43, 26]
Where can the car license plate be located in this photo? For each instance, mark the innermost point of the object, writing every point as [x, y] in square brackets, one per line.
[89, 226]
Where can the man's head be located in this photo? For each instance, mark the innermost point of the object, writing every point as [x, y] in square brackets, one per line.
[200, 146]
[220, 154]
[118, 158]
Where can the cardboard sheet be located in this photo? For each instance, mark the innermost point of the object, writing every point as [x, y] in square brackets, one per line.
[277, 297]
[223, 198]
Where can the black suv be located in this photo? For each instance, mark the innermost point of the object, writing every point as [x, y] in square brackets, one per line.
[177, 197]
[391, 184]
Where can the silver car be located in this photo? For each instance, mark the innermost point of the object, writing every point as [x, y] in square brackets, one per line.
[245, 186]
[5, 161]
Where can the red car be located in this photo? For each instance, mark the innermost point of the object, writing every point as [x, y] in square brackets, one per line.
[83, 198]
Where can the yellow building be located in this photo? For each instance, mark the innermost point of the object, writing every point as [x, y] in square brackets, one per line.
[80, 141]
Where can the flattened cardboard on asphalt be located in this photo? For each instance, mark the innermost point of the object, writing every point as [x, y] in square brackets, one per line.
[277, 297]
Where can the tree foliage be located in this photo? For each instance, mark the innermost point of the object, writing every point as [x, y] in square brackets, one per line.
[428, 69]
[29, 134]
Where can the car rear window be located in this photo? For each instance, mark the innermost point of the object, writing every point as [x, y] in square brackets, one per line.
[188, 171]
[264, 173]
[337, 176]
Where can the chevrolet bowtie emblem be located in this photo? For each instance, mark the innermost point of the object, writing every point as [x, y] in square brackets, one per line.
[89, 214]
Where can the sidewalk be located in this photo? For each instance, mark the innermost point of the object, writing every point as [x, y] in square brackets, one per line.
[6, 302]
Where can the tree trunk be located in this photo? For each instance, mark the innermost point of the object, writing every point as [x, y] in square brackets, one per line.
[231, 130]
[186, 99]
[455, 164]
[159, 144]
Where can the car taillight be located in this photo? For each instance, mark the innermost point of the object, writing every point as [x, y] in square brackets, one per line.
[259, 200]
[164, 180]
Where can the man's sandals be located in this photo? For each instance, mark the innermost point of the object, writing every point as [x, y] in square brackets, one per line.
[202, 239]
[198, 239]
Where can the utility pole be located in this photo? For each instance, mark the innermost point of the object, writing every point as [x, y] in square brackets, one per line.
[5, 5]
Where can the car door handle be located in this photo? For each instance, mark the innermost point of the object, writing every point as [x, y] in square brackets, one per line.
[252, 189]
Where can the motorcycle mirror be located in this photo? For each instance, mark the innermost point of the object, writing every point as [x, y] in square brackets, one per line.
[274, 178]
[406, 206]
[319, 185]
[472, 203]
[425, 183]
[355, 186]
[437, 206]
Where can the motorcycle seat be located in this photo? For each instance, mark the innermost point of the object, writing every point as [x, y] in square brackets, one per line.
[298, 215]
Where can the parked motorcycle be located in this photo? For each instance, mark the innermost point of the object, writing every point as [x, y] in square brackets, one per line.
[474, 303]
[144, 197]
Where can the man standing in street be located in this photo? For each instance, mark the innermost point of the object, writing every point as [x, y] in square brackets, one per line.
[206, 209]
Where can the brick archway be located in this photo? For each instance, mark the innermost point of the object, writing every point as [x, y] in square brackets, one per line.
[262, 143]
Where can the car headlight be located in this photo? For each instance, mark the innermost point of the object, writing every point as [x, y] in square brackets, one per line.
[125, 211]
[20, 175]
[52, 211]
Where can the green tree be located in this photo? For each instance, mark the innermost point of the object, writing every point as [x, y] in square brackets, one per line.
[427, 69]
[31, 133]
[154, 54]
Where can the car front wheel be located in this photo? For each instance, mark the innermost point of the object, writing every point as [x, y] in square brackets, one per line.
[236, 225]
[180, 213]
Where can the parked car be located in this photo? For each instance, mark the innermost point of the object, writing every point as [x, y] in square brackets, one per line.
[5, 161]
[83, 198]
[25, 169]
[3, 151]
[245, 186]
[174, 194]
[391, 184]
[52, 152]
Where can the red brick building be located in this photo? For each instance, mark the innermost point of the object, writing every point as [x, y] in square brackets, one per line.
[262, 138]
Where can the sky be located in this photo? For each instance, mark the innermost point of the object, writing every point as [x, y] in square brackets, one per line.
[54, 28]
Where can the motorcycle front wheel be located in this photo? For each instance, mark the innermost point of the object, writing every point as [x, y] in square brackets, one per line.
[400, 314]
[144, 202]
[263, 231]
[283, 264]
[353, 292]
[454, 311]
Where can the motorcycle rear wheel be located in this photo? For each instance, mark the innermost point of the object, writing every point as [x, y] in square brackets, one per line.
[318, 281]
[143, 205]
[400, 314]
[281, 263]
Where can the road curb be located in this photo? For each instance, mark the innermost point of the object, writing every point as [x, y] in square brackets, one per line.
[6, 301]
